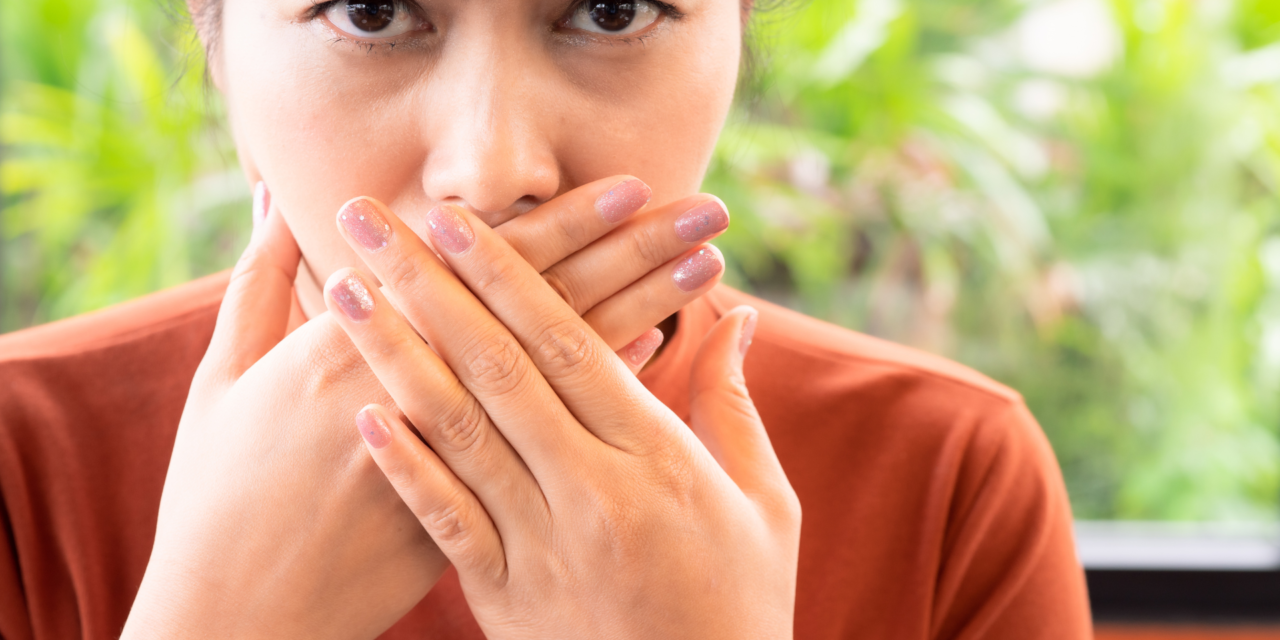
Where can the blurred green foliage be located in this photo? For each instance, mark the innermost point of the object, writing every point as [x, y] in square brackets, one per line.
[1077, 197]
[118, 178]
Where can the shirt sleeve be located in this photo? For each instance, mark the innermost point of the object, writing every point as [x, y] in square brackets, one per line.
[1010, 569]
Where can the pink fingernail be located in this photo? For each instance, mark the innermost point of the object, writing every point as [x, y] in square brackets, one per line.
[449, 230]
[748, 332]
[261, 203]
[624, 199]
[375, 431]
[702, 222]
[641, 348]
[362, 220]
[697, 269]
[353, 298]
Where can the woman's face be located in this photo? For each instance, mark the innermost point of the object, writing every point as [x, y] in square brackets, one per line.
[498, 105]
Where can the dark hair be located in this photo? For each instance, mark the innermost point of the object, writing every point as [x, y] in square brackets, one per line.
[206, 17]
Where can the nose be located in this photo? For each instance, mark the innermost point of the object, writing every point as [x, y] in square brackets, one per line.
[488, 145]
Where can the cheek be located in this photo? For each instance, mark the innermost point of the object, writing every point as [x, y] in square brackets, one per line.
[322, 125]
[658, 118]
[318, 131]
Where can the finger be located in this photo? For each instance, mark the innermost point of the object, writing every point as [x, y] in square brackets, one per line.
[561, 227]
[255, 310]
[443, 504]
[722, 414]
[429, 394]
[636, 248]
[479, 350]
[586, 376]
[653, 298]
[638, 353]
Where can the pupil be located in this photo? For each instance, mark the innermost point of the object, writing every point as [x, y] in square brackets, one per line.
[371, 16]
[612, 15]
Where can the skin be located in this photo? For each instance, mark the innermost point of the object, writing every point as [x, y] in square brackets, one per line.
[573, 503]
[522, 126]
[494, 111]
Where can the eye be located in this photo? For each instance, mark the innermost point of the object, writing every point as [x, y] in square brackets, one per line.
[614, 17]
[372, 19]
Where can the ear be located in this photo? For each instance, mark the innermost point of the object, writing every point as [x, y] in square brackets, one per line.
[206, 17]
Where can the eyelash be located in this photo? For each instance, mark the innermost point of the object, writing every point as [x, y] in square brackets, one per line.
[316, 12]
[318, 7]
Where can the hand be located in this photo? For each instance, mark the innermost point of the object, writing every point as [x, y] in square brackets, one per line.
[572, 502]
[273, 520]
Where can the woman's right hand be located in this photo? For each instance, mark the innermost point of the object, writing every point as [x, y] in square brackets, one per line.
[274, 522]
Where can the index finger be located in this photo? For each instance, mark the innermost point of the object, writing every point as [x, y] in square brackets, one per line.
[589, 378]
[560, 227]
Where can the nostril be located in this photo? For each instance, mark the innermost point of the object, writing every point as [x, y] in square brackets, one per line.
[496, 216]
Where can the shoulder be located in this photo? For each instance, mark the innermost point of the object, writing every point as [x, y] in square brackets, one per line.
[829, 392]
[810, 348]
[89, 408]
[941, 474]
[128, 357]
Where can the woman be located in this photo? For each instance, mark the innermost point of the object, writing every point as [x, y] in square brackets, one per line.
[489, 165]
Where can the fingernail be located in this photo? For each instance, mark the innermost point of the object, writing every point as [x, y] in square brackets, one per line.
[624, 199]
[702, 222]
[361, 219]
[641, 348]
[353, 298]
[748, 332]
[371, 426]
[449, 230]
[697, 269]
[261, 203]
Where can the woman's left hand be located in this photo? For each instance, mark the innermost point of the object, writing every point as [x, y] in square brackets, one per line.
[606, 517]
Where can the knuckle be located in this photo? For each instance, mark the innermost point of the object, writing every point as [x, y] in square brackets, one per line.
[497, 276]
[447, 523]
[404, 270]
[384, 350]
[463, 429]
[575, 229]
[565, 346]
[565, 290]
[781, 508]
[404, 475]
[792, 511]
[335, 365]
[495, 365]
[646, 244]
[250, 259]
[674, 472]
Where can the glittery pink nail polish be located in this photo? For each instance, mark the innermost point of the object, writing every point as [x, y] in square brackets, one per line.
[641, 348]
[261, 203]
[353, 298]
[697, 269]
[624, 199]
[748, 332]
[375, 431]
[702, 222]
[449, 230]
[363, 221]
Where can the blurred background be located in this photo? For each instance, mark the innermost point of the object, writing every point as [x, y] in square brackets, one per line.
[1079, 198]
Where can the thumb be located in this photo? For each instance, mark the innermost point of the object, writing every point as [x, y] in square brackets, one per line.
[255, 310]
[722, 414]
